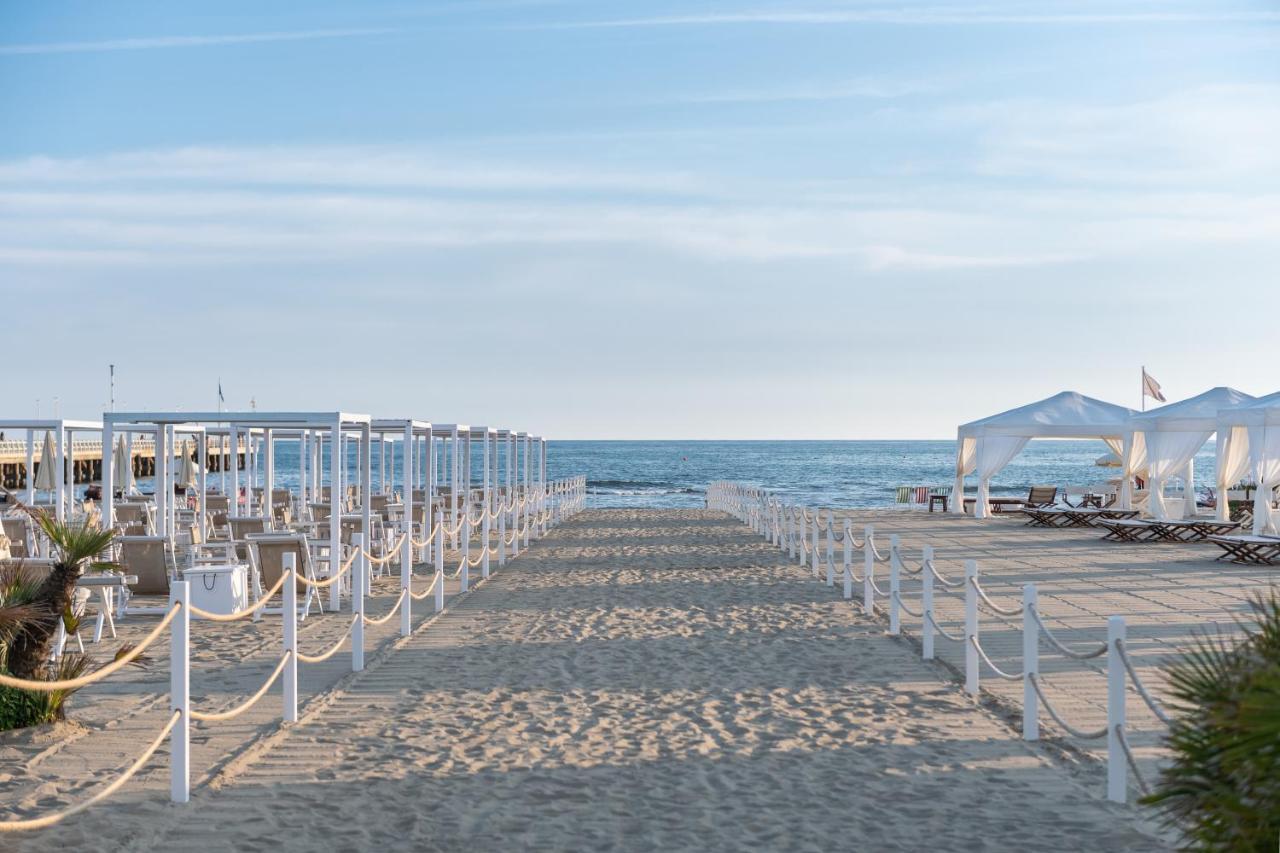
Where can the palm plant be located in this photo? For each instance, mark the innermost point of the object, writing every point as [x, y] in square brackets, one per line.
[1222, 790]
[76, 546]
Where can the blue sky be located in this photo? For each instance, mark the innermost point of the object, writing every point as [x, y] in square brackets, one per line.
[660, 220]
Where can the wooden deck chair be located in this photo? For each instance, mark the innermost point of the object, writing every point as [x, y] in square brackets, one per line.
[1042, 496]
[903, 496]
[16, 527]
[266, 564]
[146, 558]
[320, 511]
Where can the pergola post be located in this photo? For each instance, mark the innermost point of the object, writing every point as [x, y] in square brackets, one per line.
[60, 483]
[108, 473]
[233, 439]
[31, 466]
[336, 490]
[202, 480]
[269, 476]
[406, 527]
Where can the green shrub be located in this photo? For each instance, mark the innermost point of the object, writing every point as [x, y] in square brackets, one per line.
[1222, 789]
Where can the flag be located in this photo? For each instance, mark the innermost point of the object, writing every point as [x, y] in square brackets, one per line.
[222, 399]
[1151, 388]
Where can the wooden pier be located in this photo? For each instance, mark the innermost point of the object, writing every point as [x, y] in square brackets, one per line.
[86, 460]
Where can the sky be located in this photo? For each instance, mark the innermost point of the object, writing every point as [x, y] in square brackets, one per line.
[730, 219]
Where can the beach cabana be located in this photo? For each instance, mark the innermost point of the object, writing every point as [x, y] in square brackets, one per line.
[986, 446]
[1249, 444]
[1170, 437]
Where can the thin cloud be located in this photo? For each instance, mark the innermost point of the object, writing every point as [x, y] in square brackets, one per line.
[907, 17]
[848, 90]
[162, 42]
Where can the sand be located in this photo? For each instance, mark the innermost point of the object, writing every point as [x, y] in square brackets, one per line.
[639, 680]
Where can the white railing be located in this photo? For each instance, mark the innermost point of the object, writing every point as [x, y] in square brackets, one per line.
[799, 531]
[537, 512]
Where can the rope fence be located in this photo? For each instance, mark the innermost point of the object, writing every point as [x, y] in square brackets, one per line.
[797, 530]
[536, 511]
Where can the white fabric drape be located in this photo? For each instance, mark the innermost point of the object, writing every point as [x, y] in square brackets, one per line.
[1264, 456]
[993, 453]
[966, 450]
[1168, 453]
[1232, 465]
[1133, 459]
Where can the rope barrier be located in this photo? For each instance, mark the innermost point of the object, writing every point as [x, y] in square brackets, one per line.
[220, 716]
[902, 563]
[392, 553]
[387, 618]
[1007, 676]
[419, 596]
[97, 675]
[982, 593]
[876, 586]
[1071, 730]
[917, 613]
[1141, 688]
[332, 650]
[940, 579]
[943, 631]
[50, 820]
[346, 567]
[1129, 759]
[1098, 652]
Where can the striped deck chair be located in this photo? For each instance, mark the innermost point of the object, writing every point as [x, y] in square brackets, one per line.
[903, 497]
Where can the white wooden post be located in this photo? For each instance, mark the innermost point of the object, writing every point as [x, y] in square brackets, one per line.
[502, 535]
[803, 534]
[895, 587]
[831, 566]
[439, 554]
[848, 560]
[814, 545]
[970, 627]
[357, 603]
[1117, 770]
[868, 571]
[791, 532]
[1030, 665]
[337, 503]
[926, 605]
[179, 693]
[289, 678]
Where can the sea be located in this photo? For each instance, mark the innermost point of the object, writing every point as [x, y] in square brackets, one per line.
[854, 474]
[857, 474]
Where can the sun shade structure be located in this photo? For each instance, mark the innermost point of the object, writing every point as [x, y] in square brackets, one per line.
[333, 426]
[1168, 438]
[61, 433]
[1249, 443]
[986, 446]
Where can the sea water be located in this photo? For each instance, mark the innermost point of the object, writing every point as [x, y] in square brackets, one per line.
[815, 473]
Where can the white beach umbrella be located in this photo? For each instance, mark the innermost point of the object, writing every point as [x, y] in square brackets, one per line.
[1107, 460]
[187, 473]
[46, 481]
[120, 465]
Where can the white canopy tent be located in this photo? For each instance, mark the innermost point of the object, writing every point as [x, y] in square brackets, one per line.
[63, 434]
[986, 446]
[1170, 437]
[1249, 443]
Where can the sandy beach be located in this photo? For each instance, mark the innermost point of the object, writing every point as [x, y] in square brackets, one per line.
[639, 680]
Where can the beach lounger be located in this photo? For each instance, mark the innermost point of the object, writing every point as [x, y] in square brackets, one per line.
[145, 559]
[1130, 529]
[1196, 530]
[266, 565]
[1046, 516]
[1247, 548]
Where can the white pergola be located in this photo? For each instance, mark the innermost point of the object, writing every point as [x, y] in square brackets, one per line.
[986, 446]
[333, 425]
[455, 464]
[1165, 441]
[63, 431]
[1249, 442]
[166, 438]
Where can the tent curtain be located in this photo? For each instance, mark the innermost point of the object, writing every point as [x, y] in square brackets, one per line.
[993, 453]
[1168, 453]
[1133, 459]
[1232, 465]
[1264, 455]
[966, 450]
